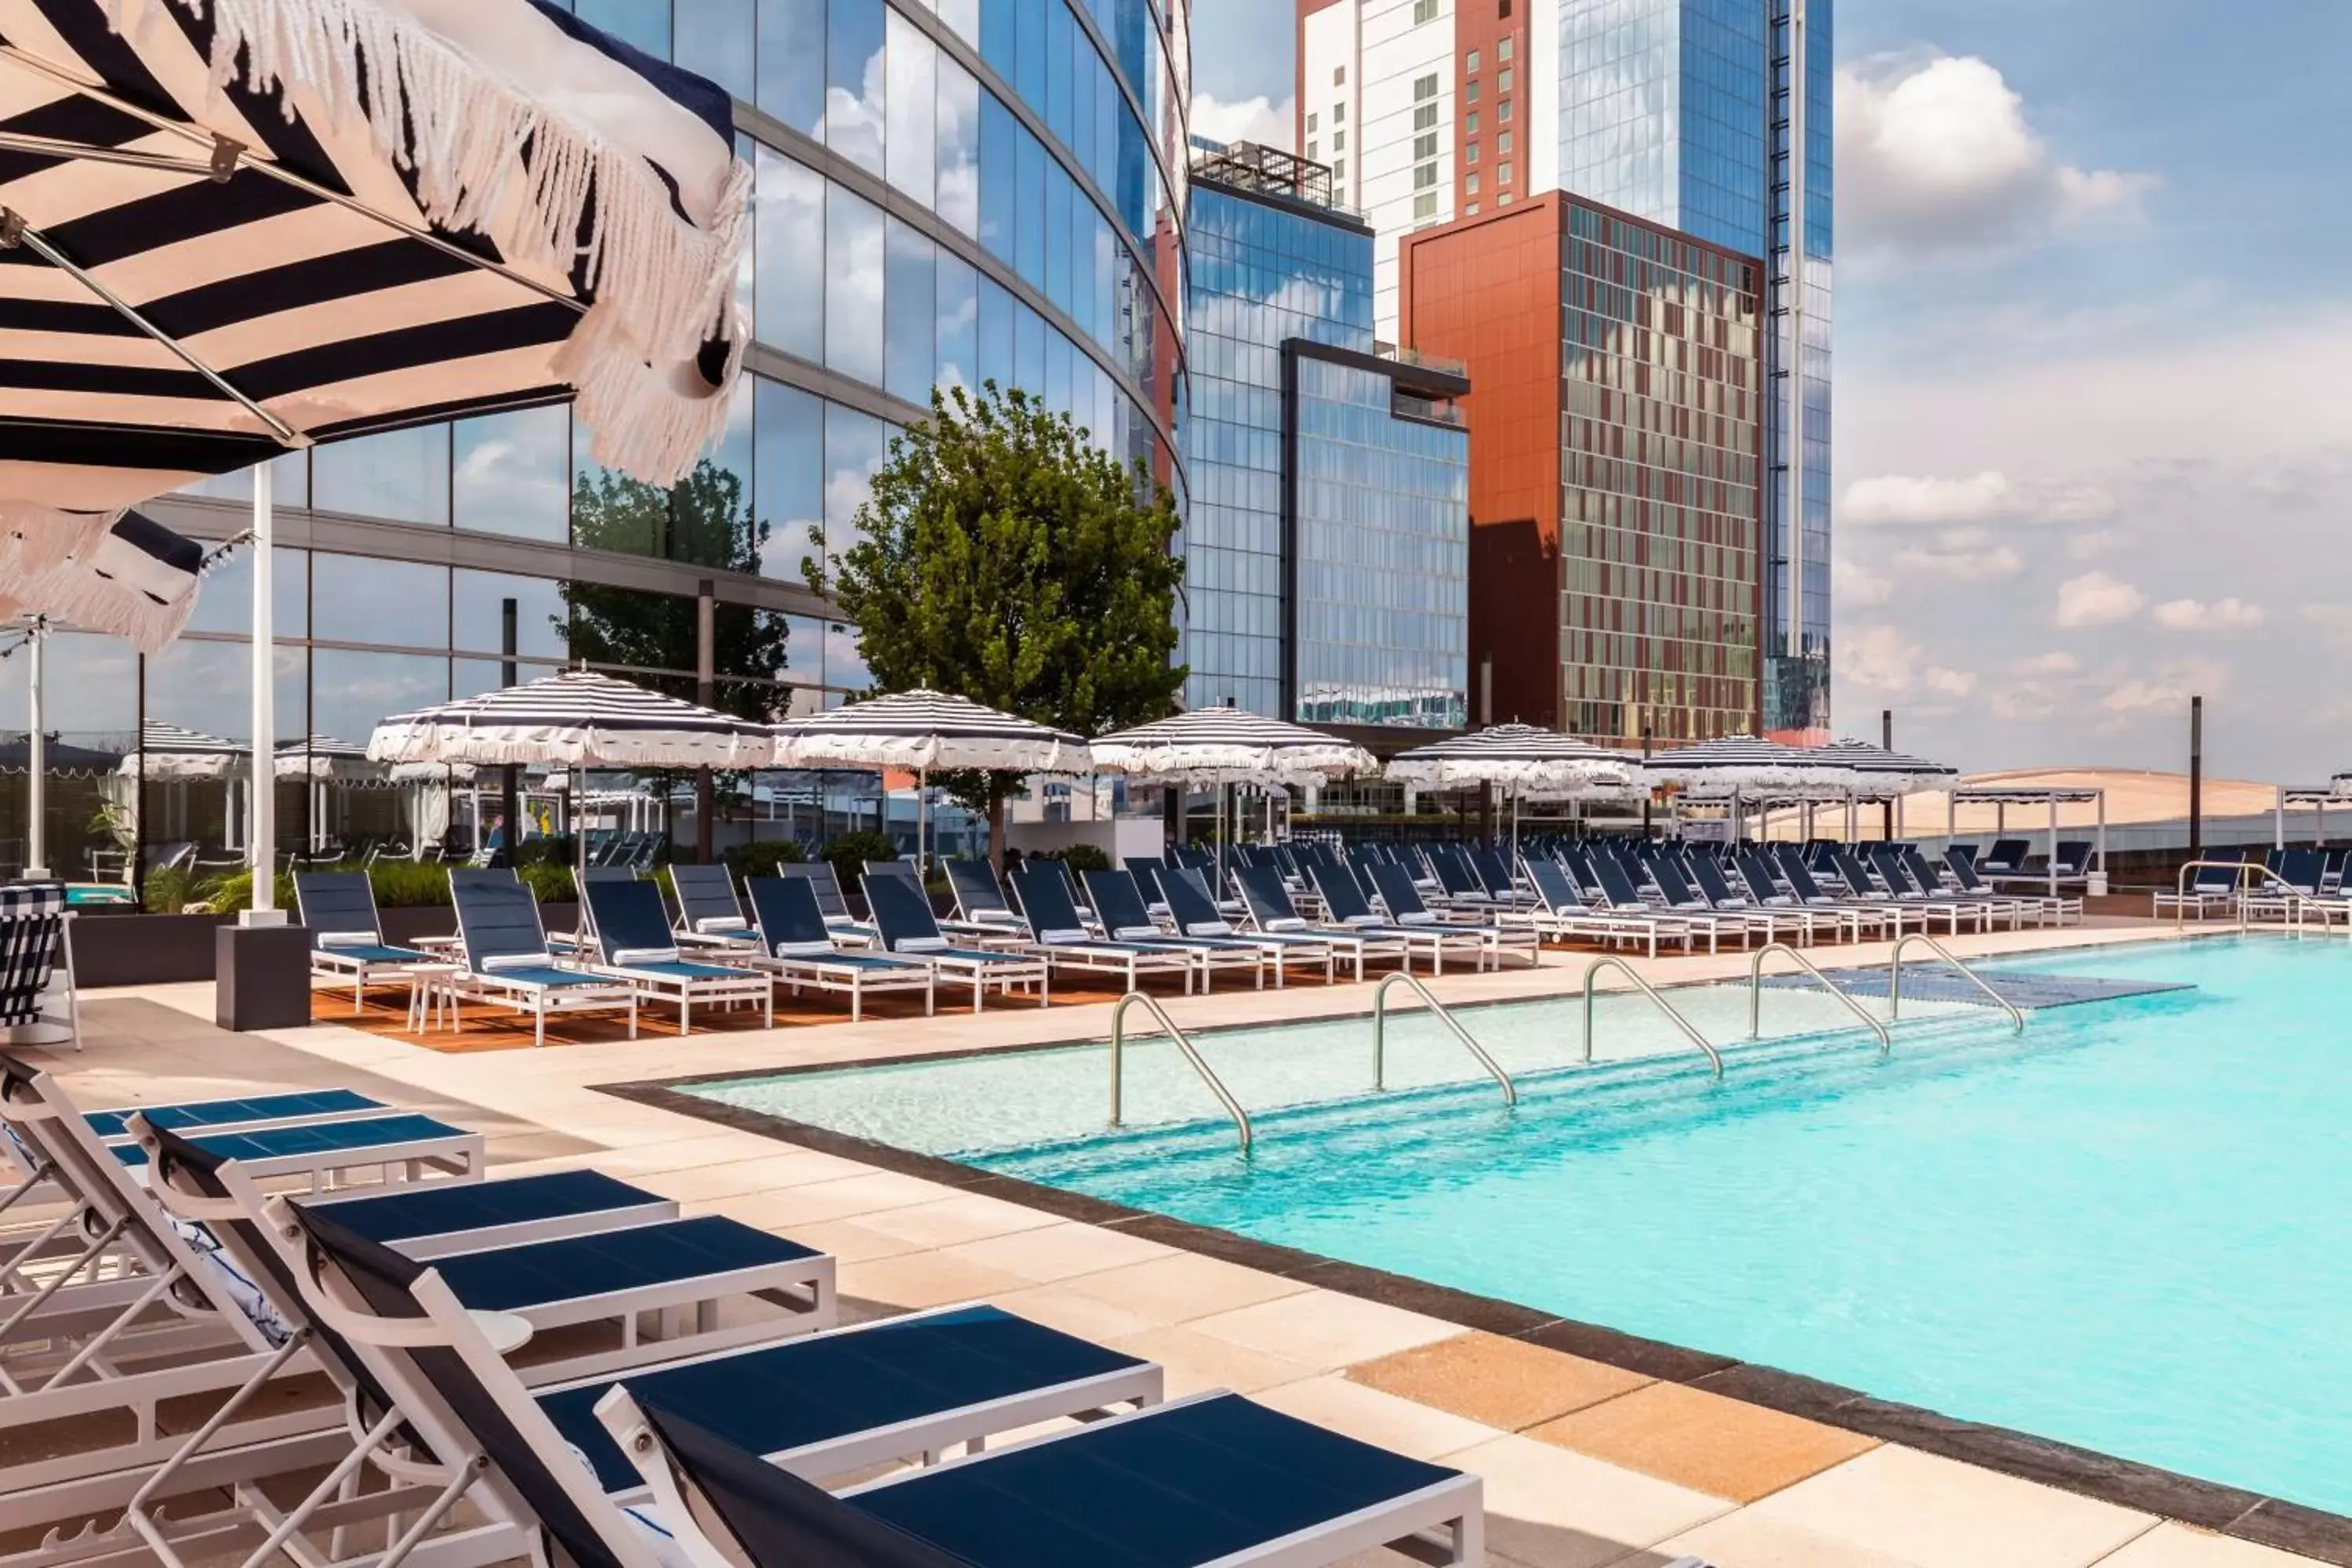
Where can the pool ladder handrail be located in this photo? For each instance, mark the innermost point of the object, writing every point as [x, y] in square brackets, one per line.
[1690, 1031]
[1168, 1026]
[1756, 994]
[1894, 979]
[1445, 1016]
[2248, 876]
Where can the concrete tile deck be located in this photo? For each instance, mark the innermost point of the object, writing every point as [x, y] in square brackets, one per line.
[1586, 1466]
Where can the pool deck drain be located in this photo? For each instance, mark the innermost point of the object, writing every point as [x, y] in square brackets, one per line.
[1937, 982]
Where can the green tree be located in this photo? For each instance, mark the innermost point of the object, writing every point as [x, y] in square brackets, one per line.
[1003, 557]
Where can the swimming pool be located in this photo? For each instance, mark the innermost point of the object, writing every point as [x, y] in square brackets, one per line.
[2124, 1229]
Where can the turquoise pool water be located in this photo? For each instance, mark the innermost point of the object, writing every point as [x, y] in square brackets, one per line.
[2127, 1229]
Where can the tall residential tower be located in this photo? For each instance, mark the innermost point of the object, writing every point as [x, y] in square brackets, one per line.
[1682, 114]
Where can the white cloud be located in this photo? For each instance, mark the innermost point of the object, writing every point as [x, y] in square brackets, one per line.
[1258, 120]
[1899, 500]
[1937, 158]
[2167, 690]
[2095, 599]
[2045, 664]
[2221, 615]
[1960, 558]
[1954, 683]
[2334, 621]
[1855, 586]
[2091, 546]
[1881, 658]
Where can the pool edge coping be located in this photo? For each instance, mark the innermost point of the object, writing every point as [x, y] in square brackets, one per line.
[2227, 1511]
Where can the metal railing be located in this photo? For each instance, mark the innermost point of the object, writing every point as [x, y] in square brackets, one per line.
[1714, 1057]
[1380, 1030]
[1756, 993]
[2241, 870]
[1118, 1063]
[1894, 979]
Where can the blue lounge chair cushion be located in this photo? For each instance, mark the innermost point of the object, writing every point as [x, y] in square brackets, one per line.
[814, 1390]
[443, 1208]
[317, 1138]
[565, 1270]
[374, 954]
[546, 976]
[224, 1112]
[971, 955]
[680, 970]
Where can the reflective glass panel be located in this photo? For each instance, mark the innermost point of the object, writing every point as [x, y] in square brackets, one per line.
[511, 474]
[792, 63]
[789, 244]
[854, 271]
[356, 598]
[402, 475]
[854, 81]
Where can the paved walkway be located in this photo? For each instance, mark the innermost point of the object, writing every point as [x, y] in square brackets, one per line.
[1586, 1464]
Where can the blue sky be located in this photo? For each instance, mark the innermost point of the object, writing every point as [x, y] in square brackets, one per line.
[2093, 347]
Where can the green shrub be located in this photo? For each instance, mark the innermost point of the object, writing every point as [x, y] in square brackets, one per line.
[549, 883]
[409, 884]
[170, 892]
[760, 859]
[233, 893]
[851, 851]
[1080, 858]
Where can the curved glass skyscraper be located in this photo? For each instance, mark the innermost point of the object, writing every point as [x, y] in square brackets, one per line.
[950, 192]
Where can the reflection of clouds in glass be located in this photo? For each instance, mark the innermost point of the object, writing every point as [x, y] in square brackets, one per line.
[512, 473]
[364, 599]
[789, 242]
[359, 690]
[89, 687]
[855, 79]
[957, 176]
[855, 445]
[854, 266]
[402, 475]
[207, 686]
[225, 597]
[912, 105]
[790, 472]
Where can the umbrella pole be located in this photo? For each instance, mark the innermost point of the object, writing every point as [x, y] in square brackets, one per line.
[262, 849]
[36, 847]
[922, 815]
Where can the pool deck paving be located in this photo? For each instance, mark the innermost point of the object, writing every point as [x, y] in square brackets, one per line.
[1588, 1460]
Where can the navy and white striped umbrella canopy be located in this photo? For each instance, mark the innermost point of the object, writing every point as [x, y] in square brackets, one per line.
[324, 757]
[126, 574]
[1228, 745]
[1747, 762]
[927, 732]
[575, 717]
[171, 753]
[230, 228]
[1883, 774]
[1521, 759]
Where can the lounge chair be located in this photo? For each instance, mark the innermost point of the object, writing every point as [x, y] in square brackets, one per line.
[1803, 899]
[634, 944]
[338, 908]
[1117, 898]
[2047, 908]
[826, 885]
[904, 924]
[1889, 886]
[1897, 878]
[1271, 910]
[1495, 937]
[708, 913]
[1684, 901]
[1195, 914]
[1563, 915]
[1212, 1478]
[1349, 908]
[980, 900]
[2007, 858]
[507, 961]
[794, 944]
[1058, 932]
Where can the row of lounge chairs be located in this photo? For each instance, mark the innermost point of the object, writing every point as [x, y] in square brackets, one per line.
[193, 1258]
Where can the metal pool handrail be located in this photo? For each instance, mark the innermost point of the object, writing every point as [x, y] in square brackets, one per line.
[1756, 993]
[2240, 887]
[1117, 1062]
[1894, 979]
[1380, 1028]
[1690, 1033]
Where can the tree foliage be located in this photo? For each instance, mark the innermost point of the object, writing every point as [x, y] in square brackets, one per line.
[705, 520]
[1003, 557]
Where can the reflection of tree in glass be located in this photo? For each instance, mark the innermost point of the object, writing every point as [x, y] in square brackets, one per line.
[704, 520]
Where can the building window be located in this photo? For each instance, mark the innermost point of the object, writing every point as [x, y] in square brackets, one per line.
[1424, 205]
[1338, 168]
[1470, 126]
[1310, 121]
[1426, 146]
[1310, 149]
[1470, 211]
[1424, 87]
[1339, 114]
[1340, 76]
[1504, 11]
[1503, 200]
[1503, 48]
[1503, 80]
[1503, 111]
[1502, 173]
[1424, 176]
[1426, 117]
[1471, 184]
[1502, 142]
[1423, 11]
[1338, 142]
[1470, 93]
[1470, 153]
[1472, 63]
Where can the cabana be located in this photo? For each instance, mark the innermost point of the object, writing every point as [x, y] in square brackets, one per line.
[2319, 799]
[2095, 871]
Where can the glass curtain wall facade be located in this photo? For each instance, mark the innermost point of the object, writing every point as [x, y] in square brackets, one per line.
[949, 192]
[1664, 376]
[1264, 271]
[1380, 542]
[1681, 111]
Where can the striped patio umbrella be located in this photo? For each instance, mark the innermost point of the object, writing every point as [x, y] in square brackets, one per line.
[1521, 759]
[232, 229]
[576, 719]
[1745, 765]
[169, 752]
[1228, 745]
[1882, 774]
[921, 731]
[324, 759]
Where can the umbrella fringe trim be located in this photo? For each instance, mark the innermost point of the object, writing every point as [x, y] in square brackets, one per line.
[44, 570]
[664, 286]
